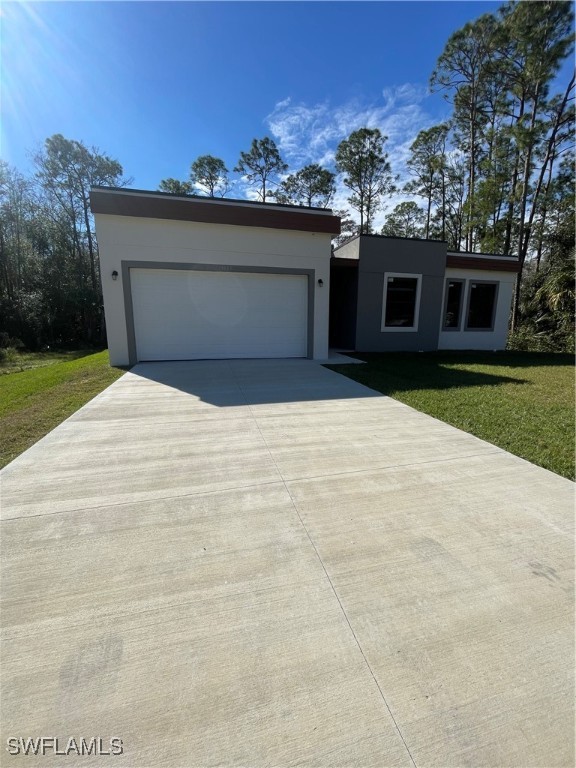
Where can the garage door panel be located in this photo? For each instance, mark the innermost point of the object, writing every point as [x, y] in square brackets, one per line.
[196, 314]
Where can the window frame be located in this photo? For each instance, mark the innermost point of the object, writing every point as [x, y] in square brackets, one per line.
[463, 303]
[471, 283]
[395, 328]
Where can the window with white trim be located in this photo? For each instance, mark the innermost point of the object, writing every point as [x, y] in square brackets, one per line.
[401, 302]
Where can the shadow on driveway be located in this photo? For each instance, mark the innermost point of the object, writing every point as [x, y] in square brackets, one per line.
[228, 383]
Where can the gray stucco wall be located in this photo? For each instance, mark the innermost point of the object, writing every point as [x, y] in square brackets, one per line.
[383, 254]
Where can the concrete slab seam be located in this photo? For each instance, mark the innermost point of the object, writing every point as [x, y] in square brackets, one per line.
[160, 498]
[296, 510]
[386, 467]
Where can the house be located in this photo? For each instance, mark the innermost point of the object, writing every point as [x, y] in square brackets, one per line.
[400, 294]
[194, 278]
[187, 278]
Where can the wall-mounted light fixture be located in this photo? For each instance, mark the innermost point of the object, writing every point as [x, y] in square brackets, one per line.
[114, 275]
[320, 283]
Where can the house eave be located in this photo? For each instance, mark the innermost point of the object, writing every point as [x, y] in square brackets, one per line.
[158, 205]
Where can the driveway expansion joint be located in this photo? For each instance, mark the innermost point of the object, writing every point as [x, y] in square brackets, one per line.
[270, 622]
[333, 588]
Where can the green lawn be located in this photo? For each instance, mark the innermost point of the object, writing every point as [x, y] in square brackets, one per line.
[522, 402]
[35, 400]
[13, 361]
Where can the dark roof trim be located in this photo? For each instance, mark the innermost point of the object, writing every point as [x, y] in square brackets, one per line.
[158, 205]
[465, 262]
[224, 200]
[398, 237]
[388, 237]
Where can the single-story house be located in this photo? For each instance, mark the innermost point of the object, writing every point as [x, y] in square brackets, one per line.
[188, 278]
[194, 278]
[402, 294]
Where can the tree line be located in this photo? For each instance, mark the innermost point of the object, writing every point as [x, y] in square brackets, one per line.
[50, 289]
[263, 170]
[497, 177]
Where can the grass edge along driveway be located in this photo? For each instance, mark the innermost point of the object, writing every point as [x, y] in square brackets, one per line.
[34, 401]
[521, 402]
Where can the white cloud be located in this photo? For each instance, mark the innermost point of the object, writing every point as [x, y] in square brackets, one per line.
[284, 103]
[408, 93]
[310, 133]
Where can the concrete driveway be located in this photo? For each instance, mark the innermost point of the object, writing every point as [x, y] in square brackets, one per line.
[263, 563]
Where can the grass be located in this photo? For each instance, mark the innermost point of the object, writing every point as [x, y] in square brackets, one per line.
[522, 402]
[13, 361]
[43, 390]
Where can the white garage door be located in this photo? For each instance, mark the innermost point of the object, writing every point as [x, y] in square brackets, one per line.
[193, 314]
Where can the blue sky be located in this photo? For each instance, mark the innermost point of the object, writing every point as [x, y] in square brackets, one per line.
[155, 84]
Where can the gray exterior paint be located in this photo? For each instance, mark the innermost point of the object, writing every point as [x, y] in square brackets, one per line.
[126, 266]
[379, 255]
[358, 271]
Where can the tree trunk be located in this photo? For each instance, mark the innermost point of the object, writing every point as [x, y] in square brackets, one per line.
[91, 254]
[544, 214]
[472, 174]
[427, 228]
[443, 206]
[513, 183]
[526, 227]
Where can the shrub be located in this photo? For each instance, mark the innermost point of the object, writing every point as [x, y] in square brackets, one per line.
[8, 355]
[529, 337]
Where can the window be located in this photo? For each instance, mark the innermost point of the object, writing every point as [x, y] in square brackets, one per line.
[481, 306]
[453, 304]
[401, 304]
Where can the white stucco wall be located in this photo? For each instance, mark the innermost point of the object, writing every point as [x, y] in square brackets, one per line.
[349, 250]
[492, 340]
[126, 238]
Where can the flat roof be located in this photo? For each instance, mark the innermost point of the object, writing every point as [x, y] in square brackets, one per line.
[388, 237]
[450, 254]
[119, 201]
